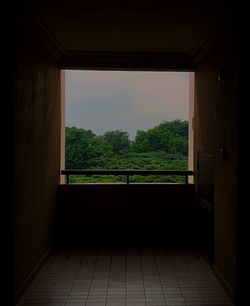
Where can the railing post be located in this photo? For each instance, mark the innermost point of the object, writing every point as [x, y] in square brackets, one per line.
[127, 179]
[67, 179]
[186, 179]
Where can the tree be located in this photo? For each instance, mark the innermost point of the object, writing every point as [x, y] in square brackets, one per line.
[151, 140]
[179, 144]
[99, 147]
[170, 137]
[163, 147]
[176, 127]
[119, 140]
[159, 139]
[76, 147]
[141, 143]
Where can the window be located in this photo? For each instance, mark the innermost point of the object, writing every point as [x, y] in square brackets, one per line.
[127, 120]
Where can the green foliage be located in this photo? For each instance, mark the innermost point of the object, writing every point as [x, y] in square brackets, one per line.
[176, 127]
[162, 147]
[170, 137]
[141, 143]
[119, 140]
[99, 147]
[76, 147]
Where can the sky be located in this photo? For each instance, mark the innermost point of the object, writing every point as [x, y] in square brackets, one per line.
[127, 100]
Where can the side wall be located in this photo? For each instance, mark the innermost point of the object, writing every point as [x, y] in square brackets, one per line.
[191, 125]
[36, 153]
[216, 132]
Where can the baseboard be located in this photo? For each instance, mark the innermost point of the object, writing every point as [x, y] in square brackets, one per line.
[18, 294]
[224, 283]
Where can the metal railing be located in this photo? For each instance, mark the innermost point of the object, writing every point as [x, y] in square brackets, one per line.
[126, 172]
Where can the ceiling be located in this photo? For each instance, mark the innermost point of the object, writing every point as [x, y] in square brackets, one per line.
[172, 27]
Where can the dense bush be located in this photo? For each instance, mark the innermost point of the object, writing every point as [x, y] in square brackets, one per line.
[162, 147]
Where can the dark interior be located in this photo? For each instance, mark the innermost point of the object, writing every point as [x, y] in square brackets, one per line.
[39, 214]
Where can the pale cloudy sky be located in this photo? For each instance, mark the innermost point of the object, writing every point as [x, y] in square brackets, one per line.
[108, 100]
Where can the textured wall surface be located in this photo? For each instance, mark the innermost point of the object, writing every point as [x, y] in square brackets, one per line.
[36, 156]
[216, 114]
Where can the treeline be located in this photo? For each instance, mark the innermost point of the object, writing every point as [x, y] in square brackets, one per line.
[162, 147]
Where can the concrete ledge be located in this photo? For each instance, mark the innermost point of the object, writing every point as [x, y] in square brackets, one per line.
[125, 212]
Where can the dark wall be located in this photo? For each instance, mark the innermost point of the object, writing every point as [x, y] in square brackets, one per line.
[36, 152]
[135, 213]
[216, 115]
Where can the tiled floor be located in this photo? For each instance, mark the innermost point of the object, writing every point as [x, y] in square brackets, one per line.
[126, 277]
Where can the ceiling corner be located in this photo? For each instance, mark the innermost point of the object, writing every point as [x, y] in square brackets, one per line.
[35, 24]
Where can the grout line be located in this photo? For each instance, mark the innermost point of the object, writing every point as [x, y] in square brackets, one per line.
[199, 262]
[143, 281]
[73, 281]
[158, 272]
[94, 269]
[58, 275]
[177, 278]
[109, 277]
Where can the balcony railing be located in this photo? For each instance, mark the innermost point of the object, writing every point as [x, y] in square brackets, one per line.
[126, 172]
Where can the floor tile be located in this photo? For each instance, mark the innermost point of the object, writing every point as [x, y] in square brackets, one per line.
[125, 277]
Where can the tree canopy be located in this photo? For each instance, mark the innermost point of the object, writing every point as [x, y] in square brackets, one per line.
[164, 146]
[76, 147]
[119, 140]
[170, 137]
